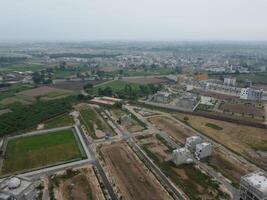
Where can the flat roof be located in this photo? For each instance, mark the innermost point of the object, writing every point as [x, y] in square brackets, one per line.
[258, 180]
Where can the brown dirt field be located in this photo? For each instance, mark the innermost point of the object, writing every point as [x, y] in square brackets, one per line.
[41, 91]
[83, 186]
[130, 175]
[145, 80]
[74, 86]
[244, 140]
[172, 128]
[243, 108]
[156, 147]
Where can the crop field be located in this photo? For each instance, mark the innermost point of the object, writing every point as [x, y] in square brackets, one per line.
[46, 93]
[10, 91]
[195, 183]
[130, 176]
[79, 184]
[37, 151]
[247, 141]
[23, 67]
[74, 86]
[117, 85]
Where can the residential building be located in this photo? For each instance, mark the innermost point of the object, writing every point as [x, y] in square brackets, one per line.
[251, 94]
[162, 97]
[181, 156]
[229, 81]
[253, 186]
[203, 150]
[191, 142]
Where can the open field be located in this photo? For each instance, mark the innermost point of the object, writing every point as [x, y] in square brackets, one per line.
[117, 85]
[247, 141]
[246, 110]
[195, 183]
[46, 93]
[60, 121]
[175, 130]
[10, 91]
[29, 152]
[23, 67]
[228, 166]
[93, 122]
[131, 177]
[147, 80]
[75, 85]
[79, 184]
[133, 126]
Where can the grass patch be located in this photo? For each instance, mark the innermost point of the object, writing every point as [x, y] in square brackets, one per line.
[59, 121]
[214, 126]
[36, 151]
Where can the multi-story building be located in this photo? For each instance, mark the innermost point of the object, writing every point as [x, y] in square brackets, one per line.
[203, 150]
[181, 156]
[191, 142]
[229, 81]
[253, 186]
[251, 94]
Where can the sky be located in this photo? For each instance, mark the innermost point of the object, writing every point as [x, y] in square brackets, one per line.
[155, 20]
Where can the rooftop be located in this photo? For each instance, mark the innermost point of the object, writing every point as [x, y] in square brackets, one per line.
[258, 180]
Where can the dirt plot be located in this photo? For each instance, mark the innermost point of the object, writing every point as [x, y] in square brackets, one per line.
[146, 80]
[246, 109]
[228, 166]
[75, 85]
[133, 179]
[79, 184]
[172, 128]
[44, 91]
[247, 141]
[156, 147]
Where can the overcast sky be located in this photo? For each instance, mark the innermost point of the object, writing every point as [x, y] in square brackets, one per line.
[86, 20]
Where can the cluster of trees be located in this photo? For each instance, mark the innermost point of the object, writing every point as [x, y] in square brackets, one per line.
[130, 92]
[24, 117]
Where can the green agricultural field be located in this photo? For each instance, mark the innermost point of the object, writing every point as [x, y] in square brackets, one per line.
[59, 121]
[117, 86]
[23, 67]
[25, 153]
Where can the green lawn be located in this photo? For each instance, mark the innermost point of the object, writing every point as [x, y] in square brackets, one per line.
[62, 120]
[38, 151]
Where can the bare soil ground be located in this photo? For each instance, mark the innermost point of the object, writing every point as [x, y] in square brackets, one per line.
[244, 140]
[228, 166]
[74, 86]
[83, 186]
[172, 128]
[145, 80]
[155, 146]
[133, 179]
[244, 108]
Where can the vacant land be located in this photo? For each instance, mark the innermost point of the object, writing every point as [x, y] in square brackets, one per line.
[133, 126]
[94, 123]
[37, 151]
[133, 179]
[246, 110]
[79, 184]
[189, 178]
[62, 120]
[46, 93]
[175, 130]
[74, 85]
[247, 141]
[228, 167]
[147, 80]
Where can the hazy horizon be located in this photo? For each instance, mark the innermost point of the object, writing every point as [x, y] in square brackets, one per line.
[125, 20]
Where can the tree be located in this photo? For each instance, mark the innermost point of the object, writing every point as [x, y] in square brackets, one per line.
[37, 77]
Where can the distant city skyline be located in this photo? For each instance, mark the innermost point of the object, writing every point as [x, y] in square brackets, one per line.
[152, 20]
